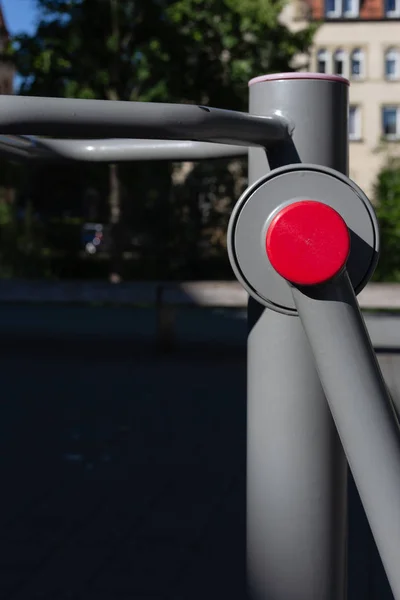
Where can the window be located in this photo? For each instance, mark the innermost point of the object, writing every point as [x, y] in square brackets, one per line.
[350, 8]
[393, 8]
[339, 62]
[391, 122]
[344, 8]
[323, 61]
[354, 123]
[333, 8]
[392, 64]
[357, 64]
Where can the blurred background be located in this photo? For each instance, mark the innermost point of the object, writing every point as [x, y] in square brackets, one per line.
[122, 413]
[168, 221]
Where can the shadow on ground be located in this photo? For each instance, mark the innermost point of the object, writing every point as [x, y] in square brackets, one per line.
[123, 470]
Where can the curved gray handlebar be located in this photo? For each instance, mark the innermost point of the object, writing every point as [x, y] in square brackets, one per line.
[112, 150]
[71, 118]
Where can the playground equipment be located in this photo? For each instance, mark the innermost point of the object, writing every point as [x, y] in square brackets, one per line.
[303, 240]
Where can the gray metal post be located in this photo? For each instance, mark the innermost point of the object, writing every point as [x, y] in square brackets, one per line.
[361, 406]
[296, 469]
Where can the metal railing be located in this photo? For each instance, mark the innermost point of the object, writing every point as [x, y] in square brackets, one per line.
[303, 241]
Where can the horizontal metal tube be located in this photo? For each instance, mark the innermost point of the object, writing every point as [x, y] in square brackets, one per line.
[361, 407]
[65, 117]
[20, 148]
[113, 150]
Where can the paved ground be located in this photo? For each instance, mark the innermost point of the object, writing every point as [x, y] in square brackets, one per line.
[122, 471]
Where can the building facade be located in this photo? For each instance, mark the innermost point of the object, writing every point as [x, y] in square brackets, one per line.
[360, 39]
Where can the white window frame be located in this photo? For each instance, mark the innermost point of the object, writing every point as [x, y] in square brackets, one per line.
[340, 55]
[392, 54]
[337, 12]
[356, 134]
[357, 55]
[393, 13]
[323, 55]
[354, 11]
[340, 12]
[391, 136]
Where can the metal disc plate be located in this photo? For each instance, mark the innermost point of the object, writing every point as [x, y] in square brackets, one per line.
[250, 218]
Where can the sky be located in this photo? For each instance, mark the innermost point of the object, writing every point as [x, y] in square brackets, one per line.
[19, 15]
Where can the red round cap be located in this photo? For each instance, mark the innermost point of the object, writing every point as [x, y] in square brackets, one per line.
[308, 242]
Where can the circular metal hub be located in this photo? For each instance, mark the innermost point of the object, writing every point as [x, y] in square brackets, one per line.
[267, 212]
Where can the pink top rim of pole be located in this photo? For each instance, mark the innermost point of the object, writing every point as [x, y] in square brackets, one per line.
[280, 76]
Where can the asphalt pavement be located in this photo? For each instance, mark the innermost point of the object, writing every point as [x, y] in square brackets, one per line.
[123, 469]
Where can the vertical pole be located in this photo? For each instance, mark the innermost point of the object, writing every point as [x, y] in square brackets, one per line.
[296, 468]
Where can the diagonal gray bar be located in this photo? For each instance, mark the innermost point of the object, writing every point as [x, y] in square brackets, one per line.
[361, 407]
[64, 117]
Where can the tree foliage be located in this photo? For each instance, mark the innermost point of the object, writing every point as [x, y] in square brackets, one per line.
[164, 50]
[190, 51]
[387, 197]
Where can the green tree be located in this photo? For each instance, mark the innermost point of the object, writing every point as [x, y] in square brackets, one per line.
[200, 51]
[387, 198]
[156, 50]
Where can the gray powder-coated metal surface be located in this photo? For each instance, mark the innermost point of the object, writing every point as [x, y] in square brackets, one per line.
[361, 407]
[296, 475]
[65, 117]
[292, 442]
[319, 111]
[249, 223]
[24, 148]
